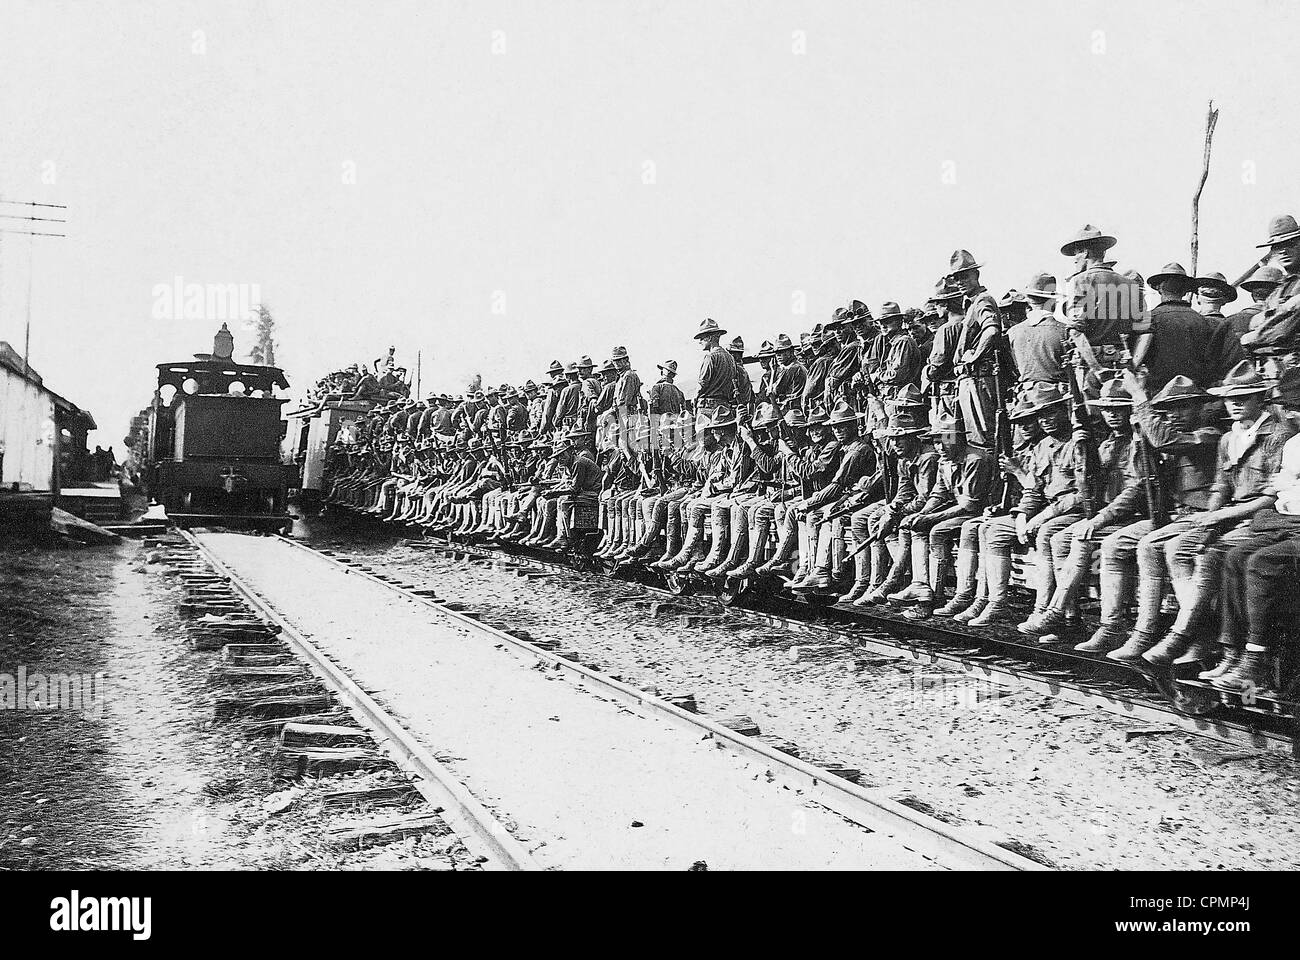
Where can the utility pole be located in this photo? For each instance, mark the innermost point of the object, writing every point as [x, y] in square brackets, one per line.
[30, 218]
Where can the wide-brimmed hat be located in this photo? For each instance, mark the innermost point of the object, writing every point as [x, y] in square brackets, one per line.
[890, 311]
[842, 413]
[904, 424]
[1215, 286]
[945, 427]
[541, 443]
[1287, 390]
[1087, 236]
[584, 363]
[795, 419]
[908, 397]
[817, 416]
[1113, 394]
[530, 386]
[737, 345]
[1280, 230]
[570, 368]
[1266, 276]
[709, 328]
[765, 416]
[945, 291]
[609, 366]
[618, 353]
[555, 368]
[783, 342]
[668, 366]
[766, 349]
[1043, 396]
[576, 432]
[858, 311]
[807, 343]
[837, 319]
[962, 261]
[1011, 298]
[1042, 286]
[720, 416]
[1020, 412]
[1172, 271]
[1243, 380]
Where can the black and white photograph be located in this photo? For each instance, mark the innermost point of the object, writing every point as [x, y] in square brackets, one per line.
[650, 436]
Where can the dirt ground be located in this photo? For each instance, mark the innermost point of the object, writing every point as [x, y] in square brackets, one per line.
[1073, 787]
[152, 782]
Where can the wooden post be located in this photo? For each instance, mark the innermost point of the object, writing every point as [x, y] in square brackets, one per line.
[1211, 118]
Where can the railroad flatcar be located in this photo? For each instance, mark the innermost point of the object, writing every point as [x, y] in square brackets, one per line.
[311, 432]
[215, 428]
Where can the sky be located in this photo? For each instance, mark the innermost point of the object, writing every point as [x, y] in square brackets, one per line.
[499, 184]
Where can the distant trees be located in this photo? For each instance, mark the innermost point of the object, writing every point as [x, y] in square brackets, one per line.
[263, 349]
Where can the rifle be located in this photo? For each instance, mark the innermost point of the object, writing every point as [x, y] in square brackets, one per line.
[1087, 465]
[1002, 442]
[1149, 463]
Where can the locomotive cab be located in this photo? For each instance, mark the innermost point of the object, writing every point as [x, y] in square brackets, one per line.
[215, 442]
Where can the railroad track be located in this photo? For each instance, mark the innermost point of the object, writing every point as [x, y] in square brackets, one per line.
[1076, 678]
[947, 845]
[482, 832]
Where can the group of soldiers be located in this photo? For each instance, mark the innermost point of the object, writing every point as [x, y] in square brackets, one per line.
[382, 381]
[909, 457]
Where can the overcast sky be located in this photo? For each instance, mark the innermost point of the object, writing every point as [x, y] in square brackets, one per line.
[502, 184]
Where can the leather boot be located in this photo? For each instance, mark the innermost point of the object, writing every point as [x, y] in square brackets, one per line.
[974, 610]
[1138, 643]
[1168, 650]
[1227, 663]
[673, 528]
[861, 575]
[758, 543]
[994, 612]
[1107, 637]
[739, 543]
[721, 541]
[1253, 672]
[1199, 652]
[693, 538]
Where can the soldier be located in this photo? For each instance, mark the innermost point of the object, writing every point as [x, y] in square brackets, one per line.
[666, 398]
[1180, 341]
[963, 487]
[1038, 344]
[717, 428]
[580, 485]
[939, 377]
[821, 351]
[1249, 455]
[718, 373]
[810, 467]
[1049, 503]
[568, 409]
[844, 364]
[766, 392]
[627, 398]
[752, 506]
[874, 524]
[1213, 293]
[857, 460]
[556, 384]
[976, 352]
[1279, 330]
[791, 376]
[1259, 285]
[1258, 571]
[744, 386]
[1072, 548]
[1101, 304]
[895, 362]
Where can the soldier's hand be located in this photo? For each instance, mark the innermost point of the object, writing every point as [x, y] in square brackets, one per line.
[1022, 528]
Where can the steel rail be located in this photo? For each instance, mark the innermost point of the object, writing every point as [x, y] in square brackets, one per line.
[482, 832]
[848, 624]
[948, 845]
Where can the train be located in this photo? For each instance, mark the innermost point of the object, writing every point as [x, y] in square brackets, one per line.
[215, 429]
